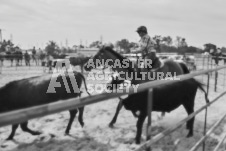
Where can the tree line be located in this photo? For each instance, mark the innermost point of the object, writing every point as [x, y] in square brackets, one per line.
[163, 44]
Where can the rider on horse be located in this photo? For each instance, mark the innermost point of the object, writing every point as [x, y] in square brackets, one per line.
[147, 48]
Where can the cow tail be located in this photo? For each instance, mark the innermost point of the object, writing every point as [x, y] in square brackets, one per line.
[200, 86]
[83, 78]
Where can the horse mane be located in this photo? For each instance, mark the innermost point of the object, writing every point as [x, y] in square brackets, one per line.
[119, 56]
[115, 53]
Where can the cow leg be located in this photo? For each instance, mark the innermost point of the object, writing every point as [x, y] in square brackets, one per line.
[26, 129]
[189, 107]
[119, 107]
[72, 117]
[14, 127]
[81, 66]
[140, 122]
[80, 116]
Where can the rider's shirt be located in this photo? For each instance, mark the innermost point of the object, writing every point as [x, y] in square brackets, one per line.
[146, 43]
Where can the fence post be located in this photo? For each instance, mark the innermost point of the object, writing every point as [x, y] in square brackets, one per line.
[224, 79]
[203, 61]
[1, 64]
[149, 114]
[216, 76]
[211, 64]
[205, 121]
[137, 57]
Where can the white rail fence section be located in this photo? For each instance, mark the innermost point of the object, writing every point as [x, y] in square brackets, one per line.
[47, 109]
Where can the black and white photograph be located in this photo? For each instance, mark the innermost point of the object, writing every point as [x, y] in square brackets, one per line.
[122, 75]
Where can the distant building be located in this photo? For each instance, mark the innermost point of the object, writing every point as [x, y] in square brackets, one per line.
[88, 51]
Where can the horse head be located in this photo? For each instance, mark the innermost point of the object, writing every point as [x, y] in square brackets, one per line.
[105, 56]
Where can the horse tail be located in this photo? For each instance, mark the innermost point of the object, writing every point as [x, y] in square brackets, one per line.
[200, 86]
[184, 68]
[84, 80]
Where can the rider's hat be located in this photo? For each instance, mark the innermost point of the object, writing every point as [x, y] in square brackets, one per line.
[142, 29]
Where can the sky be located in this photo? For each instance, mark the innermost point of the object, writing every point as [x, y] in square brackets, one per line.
[36, 22]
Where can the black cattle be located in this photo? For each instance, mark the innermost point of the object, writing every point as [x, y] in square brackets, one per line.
[116, 81]
[34, 91]
[165, 99]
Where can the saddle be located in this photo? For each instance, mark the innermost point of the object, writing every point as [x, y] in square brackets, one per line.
[157, 63]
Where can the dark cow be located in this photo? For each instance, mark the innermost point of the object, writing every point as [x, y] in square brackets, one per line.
[165, 99]
[116, 81]
[37, 91]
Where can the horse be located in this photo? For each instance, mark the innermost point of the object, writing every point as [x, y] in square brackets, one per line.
[224, 57]
[131, 70]
[40, 90]
[1, 62]
[2, 57]
[18, 56]
[9, 56]
[216, 55]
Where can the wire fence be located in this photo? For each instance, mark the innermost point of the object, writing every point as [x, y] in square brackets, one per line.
[22, 115]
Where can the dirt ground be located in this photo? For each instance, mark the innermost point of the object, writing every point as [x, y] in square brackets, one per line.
[97, 136]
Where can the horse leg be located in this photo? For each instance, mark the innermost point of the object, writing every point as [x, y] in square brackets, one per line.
[80, 116]
[26, 129]
[119, 107]
[189, 107]
[140, 122]
[72, 116]
[14, 127]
